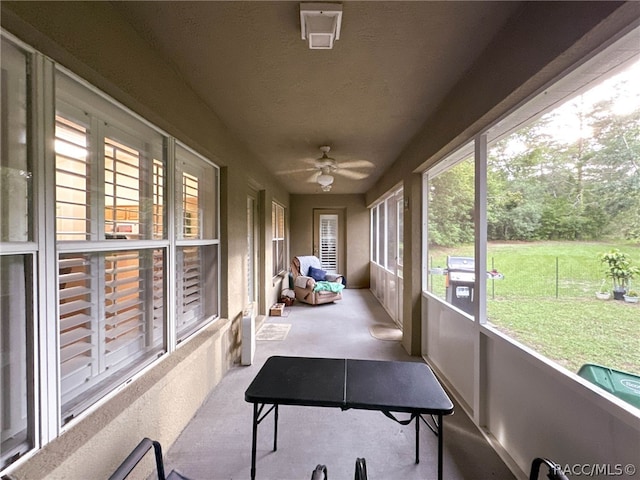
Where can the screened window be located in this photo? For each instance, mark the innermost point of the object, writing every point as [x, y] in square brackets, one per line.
[386, 232]
[391, 233]
[387, 250]
[564, 189]
[17, 254]
[374, 234]
[278, 242]
[382, 236]
[450, 230]
[400, 249]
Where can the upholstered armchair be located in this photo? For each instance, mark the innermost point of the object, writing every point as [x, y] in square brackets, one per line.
[313, 285]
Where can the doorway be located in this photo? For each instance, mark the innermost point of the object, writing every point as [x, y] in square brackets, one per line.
[328, 239]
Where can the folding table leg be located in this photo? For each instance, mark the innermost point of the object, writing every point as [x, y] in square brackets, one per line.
[440, 444]
[275, 430]
[417, 438]
[254, 441]
[437, 429]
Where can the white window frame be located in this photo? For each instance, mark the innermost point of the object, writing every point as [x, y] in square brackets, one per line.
[23, 416]
[279, 239]
[204, 241]
[113, 316]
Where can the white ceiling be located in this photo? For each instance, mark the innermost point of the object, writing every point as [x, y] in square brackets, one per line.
[366, 98]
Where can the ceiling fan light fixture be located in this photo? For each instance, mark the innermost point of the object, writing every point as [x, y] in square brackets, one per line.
[325, 180]
[320, 24]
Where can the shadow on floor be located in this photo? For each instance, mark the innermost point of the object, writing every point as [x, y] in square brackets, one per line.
[216, 444]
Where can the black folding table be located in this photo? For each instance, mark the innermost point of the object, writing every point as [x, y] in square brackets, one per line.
[388, 387]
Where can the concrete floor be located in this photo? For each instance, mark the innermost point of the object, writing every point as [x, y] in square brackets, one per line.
[216, 444]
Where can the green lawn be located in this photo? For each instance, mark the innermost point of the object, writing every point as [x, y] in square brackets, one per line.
[558, 315]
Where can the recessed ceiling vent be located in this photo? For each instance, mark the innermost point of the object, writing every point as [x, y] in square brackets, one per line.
[320, 24]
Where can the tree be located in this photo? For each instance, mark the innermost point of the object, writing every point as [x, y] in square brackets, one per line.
[452, 206]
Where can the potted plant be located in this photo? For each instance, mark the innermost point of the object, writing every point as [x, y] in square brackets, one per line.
[619, 269]
[604, 293]
[632, 296]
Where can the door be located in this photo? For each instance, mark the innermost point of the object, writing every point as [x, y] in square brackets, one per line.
[328, 239]
[253, 264]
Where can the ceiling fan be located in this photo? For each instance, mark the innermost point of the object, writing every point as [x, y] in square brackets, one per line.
[326, 167]
[322, 171]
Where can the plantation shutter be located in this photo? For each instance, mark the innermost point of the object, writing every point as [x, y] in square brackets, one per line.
[278, 240]
[190, 278]
[124, 306]
[122, 190]
[72, 180]
[190, 287]
[110, 185]
[78, 351]
[158, 297]
[87, 349]
[158, 199]
[194, 187]
[190, 206]
[329, 242]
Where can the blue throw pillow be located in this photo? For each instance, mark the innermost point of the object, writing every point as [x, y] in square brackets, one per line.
[317, 274]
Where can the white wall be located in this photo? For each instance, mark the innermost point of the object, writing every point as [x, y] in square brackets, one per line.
[448, 341]
[388, 289]
[525, 404]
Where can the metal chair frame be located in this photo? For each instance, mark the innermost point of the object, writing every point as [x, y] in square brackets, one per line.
[138, 453]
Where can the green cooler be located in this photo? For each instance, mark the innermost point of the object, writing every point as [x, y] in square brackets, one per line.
[623, 385]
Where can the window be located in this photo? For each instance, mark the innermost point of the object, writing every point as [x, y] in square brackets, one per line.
[386, 231]
[111, 320]
[328, 225]
[16, 377]
[278, 245]
[563, 188]
[391, 233]
[387, 249]
[252, 249]
[17, 256]
[374, 235]
[450, 230]
[382, 234]
[136, 229]
[109, 186]
[197, 241]
[400, 251]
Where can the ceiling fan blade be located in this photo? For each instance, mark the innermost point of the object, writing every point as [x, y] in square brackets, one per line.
[352, 175]
[313, 178]
[356, 164]
[295, 171]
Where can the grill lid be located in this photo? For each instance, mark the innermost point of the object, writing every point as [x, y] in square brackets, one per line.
[463, 264]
